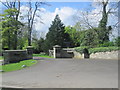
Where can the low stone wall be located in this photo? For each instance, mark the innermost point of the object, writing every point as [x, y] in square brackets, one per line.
[105, 55]
[51, 53]
[13, 56]
[78, 55]
[67, 53]
[59, 52]
[99, 55]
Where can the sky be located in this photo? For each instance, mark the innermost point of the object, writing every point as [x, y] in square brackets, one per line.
[69, 13]
[65, 10]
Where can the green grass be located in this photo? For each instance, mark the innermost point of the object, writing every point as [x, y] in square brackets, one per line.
[1, 58]
[41, 55]
[17, 66]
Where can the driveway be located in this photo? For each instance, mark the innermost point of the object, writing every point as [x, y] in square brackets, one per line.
[65, 73]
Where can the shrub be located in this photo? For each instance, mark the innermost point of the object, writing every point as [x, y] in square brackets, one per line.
[80, 49]
[98, 49]
[117, 41]
[106, 44]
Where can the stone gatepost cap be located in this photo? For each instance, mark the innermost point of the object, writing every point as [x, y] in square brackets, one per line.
[29, 47]
[56, 46]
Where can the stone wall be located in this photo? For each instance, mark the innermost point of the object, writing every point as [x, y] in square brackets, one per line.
[78, 55]
[66, 53]
[99, 55]
[105, 55]
[13, 56]
[59, 52]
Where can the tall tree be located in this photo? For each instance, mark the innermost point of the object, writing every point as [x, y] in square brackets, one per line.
[31, 17]
[15, 4]
[89, 22]
[104, 31]
[9, 27]
[56, 34]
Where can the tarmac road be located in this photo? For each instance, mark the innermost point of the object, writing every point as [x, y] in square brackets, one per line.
[65, 73]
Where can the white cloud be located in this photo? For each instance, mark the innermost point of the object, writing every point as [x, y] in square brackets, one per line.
[65, 13]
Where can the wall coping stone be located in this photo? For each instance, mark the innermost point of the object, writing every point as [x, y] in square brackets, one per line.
[14, 50]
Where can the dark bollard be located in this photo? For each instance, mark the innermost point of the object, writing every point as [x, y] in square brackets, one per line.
[86, 53]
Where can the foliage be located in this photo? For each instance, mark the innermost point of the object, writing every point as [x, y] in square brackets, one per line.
[38, 45]
[89, 37]
[98, 49]
[80, 49]
[117, 41]
[10, 27]
[106, 44]
[103, 30]
[74, 36]
[103, 49]
[17, 66]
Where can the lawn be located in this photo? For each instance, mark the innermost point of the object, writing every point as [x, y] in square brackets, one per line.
[17, 66]
[41, 55]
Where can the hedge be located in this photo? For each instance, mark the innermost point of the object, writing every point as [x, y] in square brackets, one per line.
[98, 49]
[80, 49]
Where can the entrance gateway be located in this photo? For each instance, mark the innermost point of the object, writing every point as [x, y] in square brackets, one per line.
[59, 52]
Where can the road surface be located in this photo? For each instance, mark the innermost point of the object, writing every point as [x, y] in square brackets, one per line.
[65, 73]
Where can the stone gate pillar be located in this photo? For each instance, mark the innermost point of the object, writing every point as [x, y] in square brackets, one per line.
[29, 52]
[57, 51]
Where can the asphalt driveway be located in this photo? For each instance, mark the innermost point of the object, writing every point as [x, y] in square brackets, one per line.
[65, 73]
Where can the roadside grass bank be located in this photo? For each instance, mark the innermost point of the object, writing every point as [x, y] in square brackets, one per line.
[17, 66]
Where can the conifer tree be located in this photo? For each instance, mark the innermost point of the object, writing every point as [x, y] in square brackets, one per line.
[56, 34]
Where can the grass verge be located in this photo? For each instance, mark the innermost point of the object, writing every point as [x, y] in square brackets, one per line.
[17, 66]
[41, 55]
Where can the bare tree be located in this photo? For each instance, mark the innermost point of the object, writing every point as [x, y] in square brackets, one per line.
[31, 17]
[103, 22]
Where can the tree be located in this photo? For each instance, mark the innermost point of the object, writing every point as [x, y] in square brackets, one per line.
[56, 35]
[16, 6]
[88, 18]
[104, 31]
[9, 28]
[31, 17]
[117, 41]
[74, 36]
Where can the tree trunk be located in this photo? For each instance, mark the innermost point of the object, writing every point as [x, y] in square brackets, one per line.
[9, 40]
[103, 33]
[29, 37]
[15, 38]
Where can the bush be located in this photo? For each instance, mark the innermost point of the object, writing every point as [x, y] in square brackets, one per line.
[98, 49]
[80, 49]
[103, 49]
[117, 41]
[106, 44]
